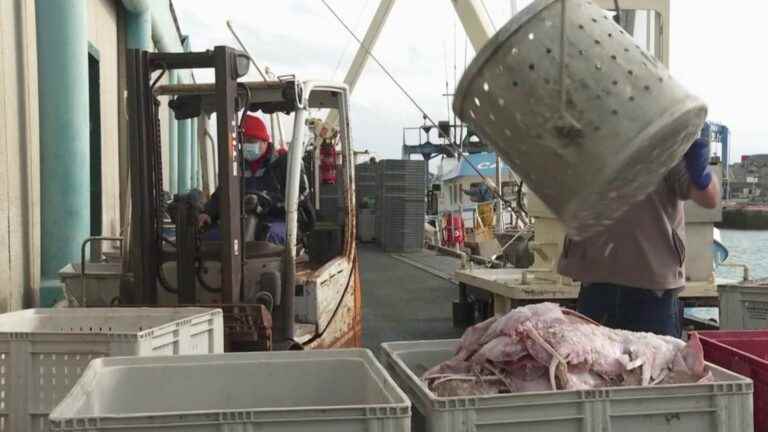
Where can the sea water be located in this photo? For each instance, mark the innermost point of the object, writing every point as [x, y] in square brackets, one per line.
[745, 247]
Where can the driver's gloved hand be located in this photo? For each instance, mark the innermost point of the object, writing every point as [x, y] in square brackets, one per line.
[203, 220]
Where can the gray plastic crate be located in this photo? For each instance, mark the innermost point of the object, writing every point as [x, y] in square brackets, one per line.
[399, 208]
[409, 190]
[413, 180]
[744, 306]
[43, 352]
[398, 239]
[405, 213]
[408, 245]
[725, 405]
[401, 164]
[366, 185]
[300, 391]
[403, 232]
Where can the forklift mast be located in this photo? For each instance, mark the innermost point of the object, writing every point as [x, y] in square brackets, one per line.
[146, 239]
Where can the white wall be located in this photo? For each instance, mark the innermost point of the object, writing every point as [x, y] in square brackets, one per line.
[102, 33]
[19, 157]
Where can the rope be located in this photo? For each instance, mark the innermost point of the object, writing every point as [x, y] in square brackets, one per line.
[242, 46]
[495, 189]
[346, 47]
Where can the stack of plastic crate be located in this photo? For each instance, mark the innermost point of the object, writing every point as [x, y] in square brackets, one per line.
[401, 205]
[331, 204]
[366, 184]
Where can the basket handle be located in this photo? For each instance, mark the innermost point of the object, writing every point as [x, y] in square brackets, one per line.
[566, 126]
[563, 50]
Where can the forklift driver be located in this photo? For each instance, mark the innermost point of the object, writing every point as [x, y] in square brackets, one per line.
[265, 174]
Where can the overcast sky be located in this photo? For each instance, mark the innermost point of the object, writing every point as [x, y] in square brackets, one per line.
[717, 51]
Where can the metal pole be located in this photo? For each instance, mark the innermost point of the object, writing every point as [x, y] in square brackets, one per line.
[295, 154]
[204, 153]
[229, 177]
[461, 208]
[173, 141]
[499, 200]
[476, 24]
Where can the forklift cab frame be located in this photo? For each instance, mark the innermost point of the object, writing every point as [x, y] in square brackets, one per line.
[226, 97]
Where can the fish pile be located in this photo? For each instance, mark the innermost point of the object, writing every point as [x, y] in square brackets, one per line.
[543, 347]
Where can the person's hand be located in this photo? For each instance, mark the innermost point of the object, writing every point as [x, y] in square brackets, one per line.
[697, 164]
[203, 219]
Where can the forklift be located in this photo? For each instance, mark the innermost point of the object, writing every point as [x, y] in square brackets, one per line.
[301, 295]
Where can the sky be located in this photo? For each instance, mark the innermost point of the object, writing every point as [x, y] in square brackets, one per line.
[717, 52]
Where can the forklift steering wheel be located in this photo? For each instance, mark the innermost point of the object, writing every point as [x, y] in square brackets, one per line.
[257, 203]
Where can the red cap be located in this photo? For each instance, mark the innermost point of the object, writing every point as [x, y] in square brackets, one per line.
[254, 128]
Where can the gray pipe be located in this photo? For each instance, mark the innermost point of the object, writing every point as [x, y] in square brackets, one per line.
[295, 153]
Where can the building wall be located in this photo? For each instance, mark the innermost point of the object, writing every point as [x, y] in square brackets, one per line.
[20, 174]
[102, 34]
[19, 157]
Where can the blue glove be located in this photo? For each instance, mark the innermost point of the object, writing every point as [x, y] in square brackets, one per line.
[697, 164]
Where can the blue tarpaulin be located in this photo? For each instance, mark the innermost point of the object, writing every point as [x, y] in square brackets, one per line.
[485, 163]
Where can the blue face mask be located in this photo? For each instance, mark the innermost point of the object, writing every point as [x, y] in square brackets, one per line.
[252, 151]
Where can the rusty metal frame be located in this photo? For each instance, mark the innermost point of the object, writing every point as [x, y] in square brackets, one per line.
[352, 337]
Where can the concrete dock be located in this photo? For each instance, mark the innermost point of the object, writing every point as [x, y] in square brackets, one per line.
[402, 301]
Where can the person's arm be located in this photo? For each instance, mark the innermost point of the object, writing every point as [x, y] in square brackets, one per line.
[211, 213]
[703, 189]
[709, 197]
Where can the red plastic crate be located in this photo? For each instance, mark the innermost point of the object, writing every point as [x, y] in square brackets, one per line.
[746, 353]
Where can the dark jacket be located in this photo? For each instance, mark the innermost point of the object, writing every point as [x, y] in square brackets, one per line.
[270, 179]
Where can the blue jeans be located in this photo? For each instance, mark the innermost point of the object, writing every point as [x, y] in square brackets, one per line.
[634, 309]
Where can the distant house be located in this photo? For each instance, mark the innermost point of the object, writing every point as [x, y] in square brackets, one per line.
[749, 178]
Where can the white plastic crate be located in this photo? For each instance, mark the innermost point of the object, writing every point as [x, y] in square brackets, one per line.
[725, 405]
[299, 391]
[44, 351]
[744, 306]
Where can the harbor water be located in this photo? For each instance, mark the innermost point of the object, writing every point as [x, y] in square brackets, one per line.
[745, 247]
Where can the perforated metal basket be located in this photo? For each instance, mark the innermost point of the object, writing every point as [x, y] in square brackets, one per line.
[594, 145]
